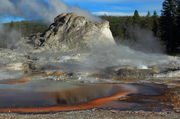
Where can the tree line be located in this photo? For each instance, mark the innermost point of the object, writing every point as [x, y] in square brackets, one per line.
[170, 25]
[26, 28]
[165, 27]
[120, 25]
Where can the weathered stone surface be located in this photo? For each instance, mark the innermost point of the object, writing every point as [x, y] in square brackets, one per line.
[70, 32]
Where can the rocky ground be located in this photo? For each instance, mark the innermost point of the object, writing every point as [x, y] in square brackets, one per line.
[95, 114]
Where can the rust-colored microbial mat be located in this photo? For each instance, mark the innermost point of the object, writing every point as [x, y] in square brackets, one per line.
[28, 98]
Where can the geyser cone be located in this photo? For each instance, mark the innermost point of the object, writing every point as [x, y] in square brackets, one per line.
[72, 32]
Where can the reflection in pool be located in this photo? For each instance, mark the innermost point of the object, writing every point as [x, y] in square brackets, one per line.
[51, 96]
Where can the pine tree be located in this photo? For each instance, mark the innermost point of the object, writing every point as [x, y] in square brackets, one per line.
[178, 12]
[147, 23]
[178, 25]
[168, 23]
[155, 25]
[136, 17]
[11, 25]
[148, 14]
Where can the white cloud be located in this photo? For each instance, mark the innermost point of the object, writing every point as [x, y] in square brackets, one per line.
[116, 13]
[121, 8]
[32, 9]
[95, 1]
[111, 1]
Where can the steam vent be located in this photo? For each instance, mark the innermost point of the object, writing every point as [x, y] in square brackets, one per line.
[72, 32]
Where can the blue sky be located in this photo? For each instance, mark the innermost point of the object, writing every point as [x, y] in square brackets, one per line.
[101, 7]
[8, 18]
[118, 7]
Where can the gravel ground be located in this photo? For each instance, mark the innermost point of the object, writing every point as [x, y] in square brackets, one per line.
[95, 114]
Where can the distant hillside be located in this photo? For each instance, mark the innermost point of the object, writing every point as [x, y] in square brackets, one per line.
[27, 28]
[120, 25]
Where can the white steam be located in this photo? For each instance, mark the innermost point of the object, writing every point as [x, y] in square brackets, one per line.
[143, 40]
[38, 9]
[123, 55]
[142, 51]
[8, 37]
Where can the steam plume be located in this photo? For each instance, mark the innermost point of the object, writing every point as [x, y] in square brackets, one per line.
[143, 40]
[8, 38]
[39, 9]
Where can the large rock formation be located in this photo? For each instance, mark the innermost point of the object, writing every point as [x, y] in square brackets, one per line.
[70, 32]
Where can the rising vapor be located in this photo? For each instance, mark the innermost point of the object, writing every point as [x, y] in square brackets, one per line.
[40, 10]
[8, 38]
